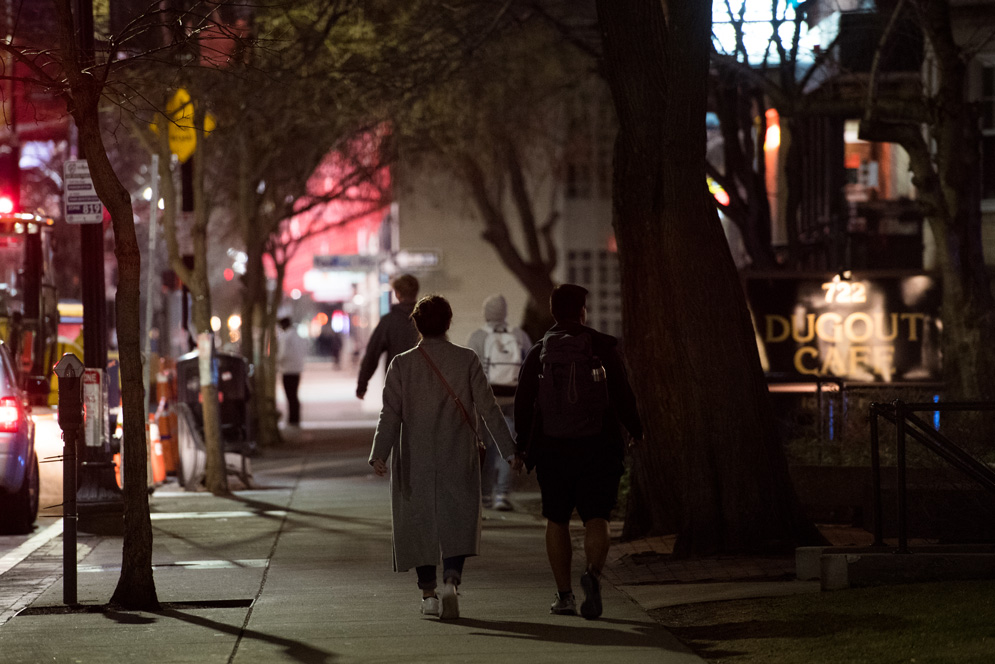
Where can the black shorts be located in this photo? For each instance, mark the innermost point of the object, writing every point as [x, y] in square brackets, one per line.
[585, 478]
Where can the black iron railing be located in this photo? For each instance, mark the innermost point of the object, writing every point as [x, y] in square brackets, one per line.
[909, 425]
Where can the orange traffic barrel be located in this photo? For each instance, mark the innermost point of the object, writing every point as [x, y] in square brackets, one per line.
[165, 418]
[157, 464]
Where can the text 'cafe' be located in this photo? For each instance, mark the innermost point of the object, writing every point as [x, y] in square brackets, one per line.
[873, 327]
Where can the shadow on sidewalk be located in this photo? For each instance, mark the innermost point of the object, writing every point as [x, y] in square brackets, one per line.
[298, 651]
[631, 633]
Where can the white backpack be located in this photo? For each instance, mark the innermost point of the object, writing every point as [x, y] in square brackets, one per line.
[502, 357]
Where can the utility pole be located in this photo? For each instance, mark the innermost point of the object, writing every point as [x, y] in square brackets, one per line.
[98, 493]
[91, 235]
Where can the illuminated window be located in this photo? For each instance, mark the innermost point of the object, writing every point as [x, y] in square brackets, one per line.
[598, 272]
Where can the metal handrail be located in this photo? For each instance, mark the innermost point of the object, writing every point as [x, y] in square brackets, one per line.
[907, 424]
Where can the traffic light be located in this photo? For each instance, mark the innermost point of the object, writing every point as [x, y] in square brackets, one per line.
[10, 179]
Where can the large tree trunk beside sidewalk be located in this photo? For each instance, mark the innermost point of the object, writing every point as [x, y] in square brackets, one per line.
[712, 463]
[136, 587]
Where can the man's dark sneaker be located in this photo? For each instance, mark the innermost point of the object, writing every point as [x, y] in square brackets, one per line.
[591, 607]
[564, 606]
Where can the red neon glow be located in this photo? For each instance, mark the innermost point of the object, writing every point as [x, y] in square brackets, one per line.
[350, 216]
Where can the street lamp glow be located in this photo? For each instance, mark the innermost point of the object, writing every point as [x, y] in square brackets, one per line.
[147, 194]
[215, 323]
[772, 140]
[234, 322]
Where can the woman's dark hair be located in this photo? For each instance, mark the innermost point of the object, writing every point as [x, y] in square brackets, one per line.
[567, 302]
[432, 316]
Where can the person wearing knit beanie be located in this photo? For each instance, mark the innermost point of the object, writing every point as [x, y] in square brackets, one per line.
[496, 475]
[495, 309]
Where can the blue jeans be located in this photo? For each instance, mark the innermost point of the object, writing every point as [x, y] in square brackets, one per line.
[495, 476]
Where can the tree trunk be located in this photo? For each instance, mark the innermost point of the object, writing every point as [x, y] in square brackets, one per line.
[946, 176]
[136, 587]
[968, 312]
[269, 415]
[215, 471]
[712, 457]
[255, 319]
[968, 307]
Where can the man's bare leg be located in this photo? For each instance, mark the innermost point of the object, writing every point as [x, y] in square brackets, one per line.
[560, 552]
[597, 540]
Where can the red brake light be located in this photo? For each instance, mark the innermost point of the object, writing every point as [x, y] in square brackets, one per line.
[10, 415]
[6, 204]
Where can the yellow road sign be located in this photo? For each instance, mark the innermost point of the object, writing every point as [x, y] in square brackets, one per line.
[182, 131]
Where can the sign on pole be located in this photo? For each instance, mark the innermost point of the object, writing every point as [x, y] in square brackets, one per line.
[348, 262]
[82, 205]
[408, 259]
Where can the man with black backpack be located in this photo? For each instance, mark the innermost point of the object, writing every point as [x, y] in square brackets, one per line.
[501, 349]
[572, 395]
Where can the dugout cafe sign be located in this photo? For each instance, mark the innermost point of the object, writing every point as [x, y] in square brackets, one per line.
[865, 328]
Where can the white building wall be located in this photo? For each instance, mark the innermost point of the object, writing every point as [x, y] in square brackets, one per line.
[436, 213]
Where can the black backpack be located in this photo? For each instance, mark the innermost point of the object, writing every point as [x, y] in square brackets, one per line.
[573, 390]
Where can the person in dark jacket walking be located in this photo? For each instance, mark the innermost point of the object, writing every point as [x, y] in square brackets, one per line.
[394, 334]
[579, 472]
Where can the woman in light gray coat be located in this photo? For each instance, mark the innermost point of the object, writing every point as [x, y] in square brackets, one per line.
[434, 459]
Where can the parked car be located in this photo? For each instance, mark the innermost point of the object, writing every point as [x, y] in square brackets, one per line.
[19, 485]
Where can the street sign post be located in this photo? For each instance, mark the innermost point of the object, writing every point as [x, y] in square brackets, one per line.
[414, 259]
[82, 205]
[346, 262]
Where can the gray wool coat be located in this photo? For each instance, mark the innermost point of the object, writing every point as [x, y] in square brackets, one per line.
[434, 464]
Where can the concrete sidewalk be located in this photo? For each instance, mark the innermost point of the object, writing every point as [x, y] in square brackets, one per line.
[299, 570]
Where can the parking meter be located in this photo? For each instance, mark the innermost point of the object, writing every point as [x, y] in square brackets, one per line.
[70, 372]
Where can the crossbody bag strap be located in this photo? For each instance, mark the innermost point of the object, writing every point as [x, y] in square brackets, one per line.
[459, 404]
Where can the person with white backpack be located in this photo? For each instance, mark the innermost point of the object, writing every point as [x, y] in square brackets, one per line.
[501, 349]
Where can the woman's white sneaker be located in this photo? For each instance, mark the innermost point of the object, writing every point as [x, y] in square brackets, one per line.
[430, 606]
[450, 602]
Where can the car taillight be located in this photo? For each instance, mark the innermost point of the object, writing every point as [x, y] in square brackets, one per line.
[10, 415]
